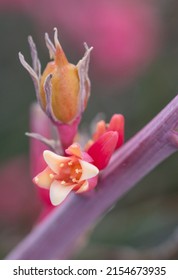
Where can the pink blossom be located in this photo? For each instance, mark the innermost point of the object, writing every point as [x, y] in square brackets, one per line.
[65, 174]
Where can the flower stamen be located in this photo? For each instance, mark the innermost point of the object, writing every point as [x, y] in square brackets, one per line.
[63, 182]
[74, 180]
[78, 170]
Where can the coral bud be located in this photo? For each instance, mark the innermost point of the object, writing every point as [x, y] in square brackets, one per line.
[106, 139]
[103, 148]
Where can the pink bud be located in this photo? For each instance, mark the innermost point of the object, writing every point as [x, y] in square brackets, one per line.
[102, 150]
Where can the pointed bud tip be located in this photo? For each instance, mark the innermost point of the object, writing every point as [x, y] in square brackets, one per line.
[20, 55]
[88, 170]
[116, 124]
[110, 136]
[47, 154]
[35, 180]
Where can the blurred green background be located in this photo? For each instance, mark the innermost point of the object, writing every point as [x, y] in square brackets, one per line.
[133, 70]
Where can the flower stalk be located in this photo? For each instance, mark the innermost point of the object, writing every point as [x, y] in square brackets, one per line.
[52, 239]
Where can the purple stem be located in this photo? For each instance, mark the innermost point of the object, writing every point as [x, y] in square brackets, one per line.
[56, 236]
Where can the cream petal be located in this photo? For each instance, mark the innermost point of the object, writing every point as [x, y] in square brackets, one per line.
[59, 192]
[88, 170]
[44, 178]
[84, 187]
[74, 150]
[53, 160]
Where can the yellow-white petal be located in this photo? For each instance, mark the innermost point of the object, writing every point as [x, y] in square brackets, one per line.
[59, 192]
[44, 178]
[53, 160]
[88, 170]
[83, 188]
[74, 150]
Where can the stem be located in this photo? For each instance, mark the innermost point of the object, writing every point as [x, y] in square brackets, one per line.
[39, 123]
[56, 236]
[67, 133]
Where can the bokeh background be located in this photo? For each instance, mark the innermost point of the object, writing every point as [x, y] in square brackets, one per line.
[134, 71]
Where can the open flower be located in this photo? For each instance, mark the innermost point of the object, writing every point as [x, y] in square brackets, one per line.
[66, 174]
[63, 89]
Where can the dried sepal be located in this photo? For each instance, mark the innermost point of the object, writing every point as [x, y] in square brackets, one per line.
[54, 145]
[34, 55]
[33, 75]
[83, 66]
[50, 46]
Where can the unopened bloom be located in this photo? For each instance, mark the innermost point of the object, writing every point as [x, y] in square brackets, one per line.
[116, 124]
[106, 139]
[63, 89]
[65, 174]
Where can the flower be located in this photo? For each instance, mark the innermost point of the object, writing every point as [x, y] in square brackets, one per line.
[67, 173]
[63, 89]
[106, 139]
